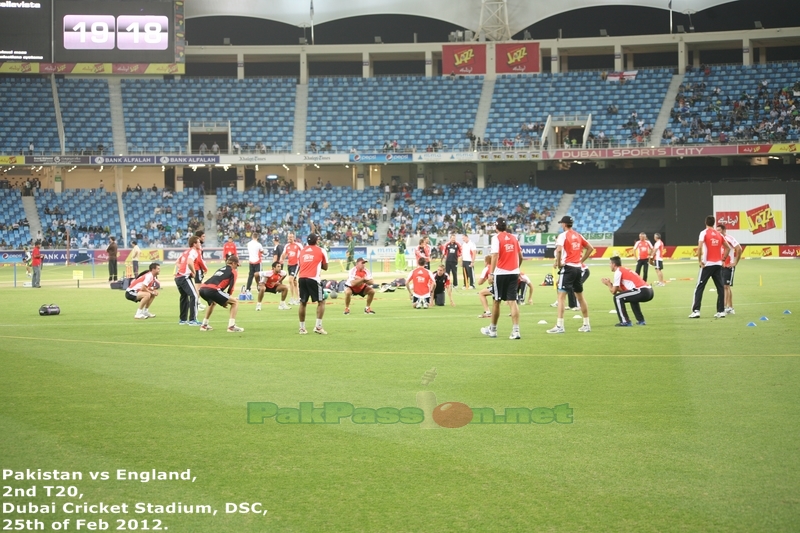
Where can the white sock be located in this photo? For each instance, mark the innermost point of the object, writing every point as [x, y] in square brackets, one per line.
[302, 325]
[231, 322]
[205, 321]
[560, 322]
[586, 321]
[319, 322]
[492, 328]
[515, 328]
[146, 310]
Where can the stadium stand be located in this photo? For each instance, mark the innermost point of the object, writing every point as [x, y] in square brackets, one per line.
[92, 215]
[432, 211]
[333, 212]
[27, 114]
[603, 210]
[259, 109]
[14, 231]
[162, 218]
[366, 113]
[86, 112]
[736, 103]
[529, 99]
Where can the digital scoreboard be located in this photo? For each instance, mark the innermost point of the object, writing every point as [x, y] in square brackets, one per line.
[113, 31]
[25, 30]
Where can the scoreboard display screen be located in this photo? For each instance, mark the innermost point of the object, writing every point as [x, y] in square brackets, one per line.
[25, 30]
[106, 31]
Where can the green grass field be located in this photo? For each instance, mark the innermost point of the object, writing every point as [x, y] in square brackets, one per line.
[681, 425]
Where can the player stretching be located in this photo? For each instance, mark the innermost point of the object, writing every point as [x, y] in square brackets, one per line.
[143, 290]
[270, 281]
[218, 290]
[420, 285]
[359, 283]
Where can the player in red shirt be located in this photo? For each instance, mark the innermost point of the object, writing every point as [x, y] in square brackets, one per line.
[270, 281]
[229, 248]
[36, 264]
[657, 258]
[420, 285]
[359, 283]
[143, 290]
[506, 260]
[643, 251]
[218, 290]
[313, 260]
[291, 256]
[712, 251]
[572, 251]
[627, 287]
[184, 279]
[424, 251]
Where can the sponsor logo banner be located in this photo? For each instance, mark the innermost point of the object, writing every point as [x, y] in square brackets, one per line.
[517, 58]
[123, 160]
[187, 160]
[756, 251]
[317, 158]
[759, 149]
[253, 159]
[56, 160]
[529, 251]
[753, 219]
[381, 158]
[16, 67]
[684, 252]
[12, 160]
[789, 251]
[635, 153]
[598, 252]
[11, 257]
[383, 252]
[463, 59]
[340, 252]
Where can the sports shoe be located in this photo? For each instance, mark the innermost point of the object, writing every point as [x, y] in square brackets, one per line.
[303, 331]
[183, 323]
[472, 287]
[205, 327]
[514, 335]
[424, 305]
[193, 323]
[140, 316]
[556, 329]
[320, 331]
[695, 314]
[485, 314]
[258, 307]
[235, 329]
[585, 329]
[489, 333]
[369, 311]
[347, 310]
[730, 311]
[720, 315]
[574, 308]
[641, 323]
[201, 307]
[148, 314]
[554, 304]
[624, 325]
[419, 305]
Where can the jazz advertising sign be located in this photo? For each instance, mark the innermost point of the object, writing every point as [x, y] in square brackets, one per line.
[463, 59]
[754, 218]
[517, 58]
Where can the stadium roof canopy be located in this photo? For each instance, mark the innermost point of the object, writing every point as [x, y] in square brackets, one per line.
[464, 13]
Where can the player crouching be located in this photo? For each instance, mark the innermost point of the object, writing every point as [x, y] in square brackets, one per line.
[271, 281]
[420, 285]
[218, 290]
[359, 283]
[144, 290]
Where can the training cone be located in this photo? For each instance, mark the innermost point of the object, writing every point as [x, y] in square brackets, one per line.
[764, 318]
[543, 322]
[612, 312]
[760, 282]
[578, 316]
[751, 324]
[787, 312]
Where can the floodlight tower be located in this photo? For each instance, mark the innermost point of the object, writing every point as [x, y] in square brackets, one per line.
[494, 21]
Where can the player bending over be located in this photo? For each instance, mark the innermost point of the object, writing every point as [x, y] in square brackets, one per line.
[420, 285]
[218, 290]
[144, 290]
[359, 283]
[271, 281]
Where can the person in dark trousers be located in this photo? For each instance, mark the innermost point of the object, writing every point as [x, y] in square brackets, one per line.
[112, 259]
[452, 250]
[627, 288]
[712, 251]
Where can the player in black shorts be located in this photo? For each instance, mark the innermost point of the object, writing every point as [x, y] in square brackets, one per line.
[218, 290]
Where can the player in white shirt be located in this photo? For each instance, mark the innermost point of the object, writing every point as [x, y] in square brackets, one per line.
[657, 258]
[254, 253]
[468, 253]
